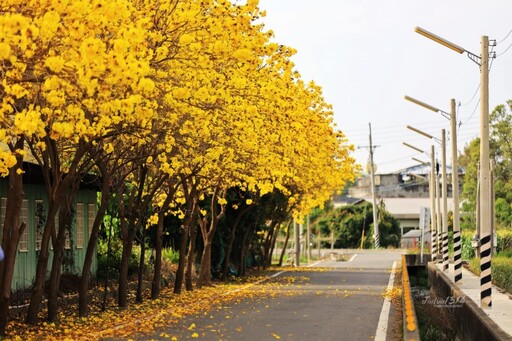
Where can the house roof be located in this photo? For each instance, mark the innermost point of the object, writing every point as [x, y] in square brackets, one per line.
[343, 200]
[415, 234]
[408, 208]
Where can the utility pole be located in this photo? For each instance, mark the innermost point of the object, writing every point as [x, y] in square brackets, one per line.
[433, 222]
[485, 193]
[457, 262]
[308, 239]
[376, 237]
[296, 235]
[444, 192]
[438, 220]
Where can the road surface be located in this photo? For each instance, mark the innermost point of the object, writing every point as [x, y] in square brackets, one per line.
[331, 300]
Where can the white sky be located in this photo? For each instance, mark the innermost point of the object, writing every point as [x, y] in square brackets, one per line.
[366, 56]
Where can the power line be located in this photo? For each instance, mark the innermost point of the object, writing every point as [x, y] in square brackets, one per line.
[502, 53]
[502, 40]
[474, 110]
[472, 97]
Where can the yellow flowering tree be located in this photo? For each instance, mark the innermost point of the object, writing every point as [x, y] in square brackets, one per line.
[238, 114]
[76, 73]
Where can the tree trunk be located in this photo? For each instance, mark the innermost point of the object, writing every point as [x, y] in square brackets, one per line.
[181, 264]
[12, 231]
[246, 240]
[157, 274]
[36, 296]
[7, 273]
[191, 206]
[128, 230]
[55, 183]
[234, 228]
[138, 298]
[83, 295]
[123, 270]
[191, 258]
[205, 273]
[267, 246]
[275, 235]
[65, 220]
[283, 252]
[53, 287]
[107, 275]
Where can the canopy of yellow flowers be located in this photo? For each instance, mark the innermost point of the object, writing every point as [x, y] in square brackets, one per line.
[200, 81]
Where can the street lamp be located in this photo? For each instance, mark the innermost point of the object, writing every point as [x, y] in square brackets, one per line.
[412, 147]
[421, 162]
[433, 193]
[455, 187]
[436, 228]
[485, 192]
[439, 40]
[420, 132]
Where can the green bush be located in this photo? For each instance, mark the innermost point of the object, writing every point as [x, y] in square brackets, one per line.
[474, 266]
[467, 251]
[170, 255]
[504, 240]
[504, 243]
[109, 264]
[501, 270]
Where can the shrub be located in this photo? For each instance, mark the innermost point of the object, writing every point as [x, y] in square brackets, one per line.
[474, 266]
[110, 264]
[467, 251]
[504, 243]
[504, 240]
[171, 255]
[501, 270]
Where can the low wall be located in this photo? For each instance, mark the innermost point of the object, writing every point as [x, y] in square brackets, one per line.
[471, 321]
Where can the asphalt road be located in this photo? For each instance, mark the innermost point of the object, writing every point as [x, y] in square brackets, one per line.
[334, 300]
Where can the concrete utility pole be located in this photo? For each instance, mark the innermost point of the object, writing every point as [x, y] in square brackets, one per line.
[485, 193]
[296, 235]
[308, 239]
[433, 222]
[444, 191]
[376, 237]
[455, 194]
[493, 211]
[438, 220]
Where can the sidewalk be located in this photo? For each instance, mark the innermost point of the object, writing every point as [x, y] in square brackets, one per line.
[501, 311]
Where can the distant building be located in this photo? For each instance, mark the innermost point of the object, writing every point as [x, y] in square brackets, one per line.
[403, 193]
[412, 239]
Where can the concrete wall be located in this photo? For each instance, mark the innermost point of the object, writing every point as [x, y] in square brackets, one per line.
[471, 322]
